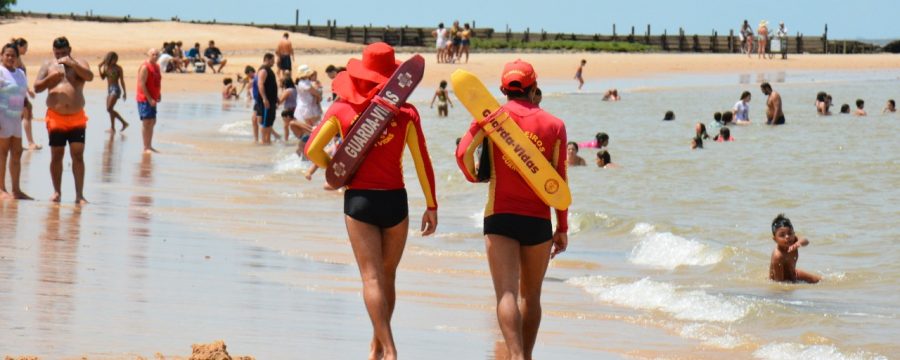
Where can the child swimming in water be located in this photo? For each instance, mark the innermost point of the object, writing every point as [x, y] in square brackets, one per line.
[784, 258]
[724, 135]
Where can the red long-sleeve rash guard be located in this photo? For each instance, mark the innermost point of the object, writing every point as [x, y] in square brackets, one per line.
[509, 193]
[382, 168]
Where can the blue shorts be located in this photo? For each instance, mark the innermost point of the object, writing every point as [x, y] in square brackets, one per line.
[146, 111]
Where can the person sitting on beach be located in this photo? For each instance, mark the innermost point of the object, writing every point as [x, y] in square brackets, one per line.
[579, 75]
[443, 98]
[845, 109]
[742, 109]
[669, 116]
[214, 57]
[696, 143]
[774, 113]
[604, 160]
[178, 54]
[860, 104]
[783, 266]
[228, 90]
[612, 95]
[166, 61]
[724, 135]
[890, 107]
[600, 141]
[700, 131]
[572, 152]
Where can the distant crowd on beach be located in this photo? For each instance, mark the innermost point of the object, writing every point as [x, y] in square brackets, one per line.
[451, 44]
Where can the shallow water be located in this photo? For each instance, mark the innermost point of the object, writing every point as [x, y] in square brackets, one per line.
[218, 238]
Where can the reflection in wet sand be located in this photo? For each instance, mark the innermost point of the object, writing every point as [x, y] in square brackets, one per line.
[57, 274]
[9, 219]
[140, 212]
[111, 159]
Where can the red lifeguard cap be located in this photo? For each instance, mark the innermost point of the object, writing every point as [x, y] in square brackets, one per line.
[517, 76]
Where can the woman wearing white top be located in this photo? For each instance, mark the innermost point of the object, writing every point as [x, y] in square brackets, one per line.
[308, 108]
[742, 110]
[440, 43]
[13, 90]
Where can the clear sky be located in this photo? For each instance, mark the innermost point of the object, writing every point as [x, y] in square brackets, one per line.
[873, 19]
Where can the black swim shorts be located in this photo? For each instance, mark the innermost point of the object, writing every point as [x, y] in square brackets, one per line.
[382, 208]
[527, 230]
[284, 62]
[61, 138]
[267, 115]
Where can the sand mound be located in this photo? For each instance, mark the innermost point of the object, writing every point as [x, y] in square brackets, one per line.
[213, 351]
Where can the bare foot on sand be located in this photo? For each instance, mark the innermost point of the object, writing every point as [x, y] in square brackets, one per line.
[150, 151]
[34, 146]
[55, 198]
[375, 350]
[19, 195]
[81, 201]
[111, 130]
[6, 196]
[124, 125]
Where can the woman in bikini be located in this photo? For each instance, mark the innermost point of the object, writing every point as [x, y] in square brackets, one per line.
[111, 71]
[442, 98]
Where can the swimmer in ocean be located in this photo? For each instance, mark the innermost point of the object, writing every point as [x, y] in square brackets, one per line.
[784, 258]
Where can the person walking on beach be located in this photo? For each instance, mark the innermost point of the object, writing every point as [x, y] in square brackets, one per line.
[579, 75]
[13, 92]
[64, 78]
[285, 52]
[774, 114]
[214, 57]
[268, 97]
[375, 202]
[28, 112]
[110, 71]
[519, 237]
[148, 96]
[763, 35]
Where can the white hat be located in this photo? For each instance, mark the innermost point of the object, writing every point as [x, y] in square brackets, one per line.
[304, 71]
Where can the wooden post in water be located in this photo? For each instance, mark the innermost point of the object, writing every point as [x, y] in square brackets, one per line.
[297, 17]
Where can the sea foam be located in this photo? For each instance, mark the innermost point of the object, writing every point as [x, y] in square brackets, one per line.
[646, 294]
[242, 127]
[665, 250]
[791, 351]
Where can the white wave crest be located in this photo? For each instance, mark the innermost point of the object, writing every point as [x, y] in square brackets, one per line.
[645, 294]
[242, 127]
[792, 351]
[669, 251]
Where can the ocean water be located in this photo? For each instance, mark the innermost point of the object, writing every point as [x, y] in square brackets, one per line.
[668, 254]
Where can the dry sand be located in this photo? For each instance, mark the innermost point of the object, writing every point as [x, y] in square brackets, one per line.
[244, 45]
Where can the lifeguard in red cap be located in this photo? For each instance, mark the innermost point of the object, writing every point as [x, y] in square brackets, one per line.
[375, 204]
[518, 234]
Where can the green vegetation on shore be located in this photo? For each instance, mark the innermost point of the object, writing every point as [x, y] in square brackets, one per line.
[607, 46]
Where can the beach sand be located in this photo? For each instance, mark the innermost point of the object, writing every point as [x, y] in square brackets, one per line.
[244, 45]
[216, 238]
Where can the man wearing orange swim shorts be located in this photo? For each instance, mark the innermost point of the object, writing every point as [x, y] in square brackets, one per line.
[64, 78]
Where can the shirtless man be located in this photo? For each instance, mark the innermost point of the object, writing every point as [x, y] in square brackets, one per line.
[285, 53]
[64, 78]
[774, 115]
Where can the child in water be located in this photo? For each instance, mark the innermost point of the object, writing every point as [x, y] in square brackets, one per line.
[604, 160]
[572, 158]
[784, 258]
[229, 91]
[443, 99]
[724, 135]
